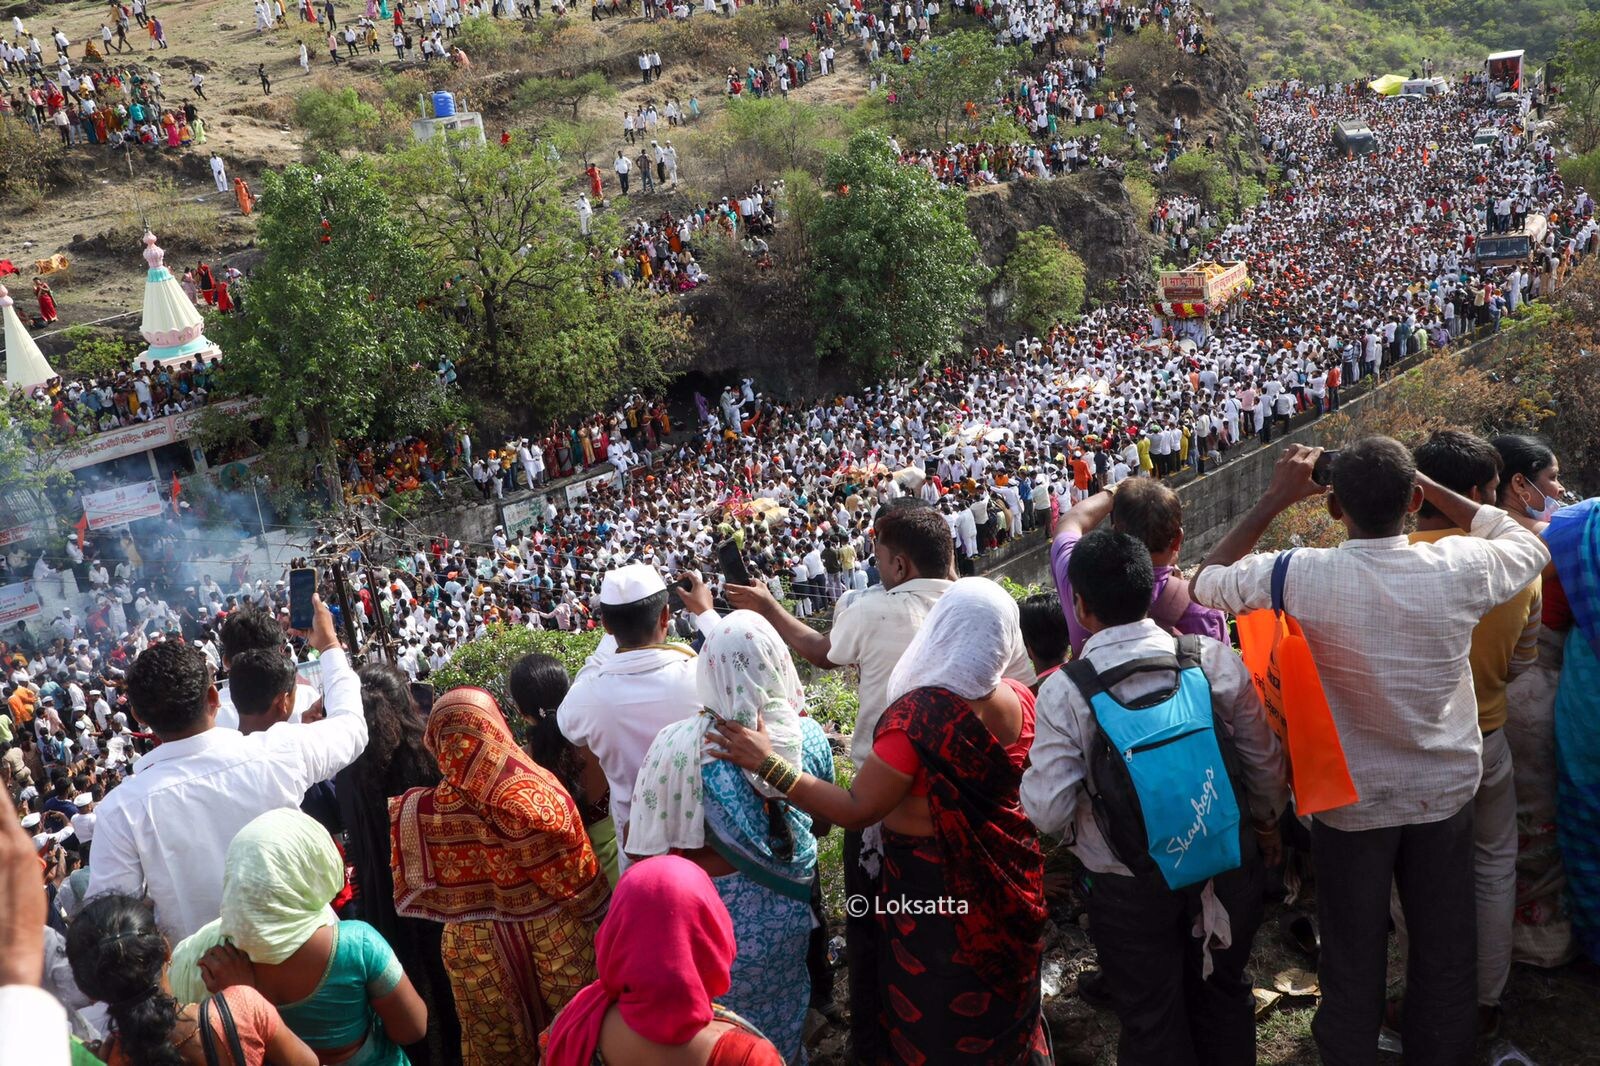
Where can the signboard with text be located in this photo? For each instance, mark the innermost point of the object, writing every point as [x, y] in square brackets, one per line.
[140, 437]
[118, 507]
[18, 602]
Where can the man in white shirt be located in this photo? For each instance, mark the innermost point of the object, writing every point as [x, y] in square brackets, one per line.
[166, 830]
[1140, 926]
[1389, 624]
[248, 630]
[623, 698]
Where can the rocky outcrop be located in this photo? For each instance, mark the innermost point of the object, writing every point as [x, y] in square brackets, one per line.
[1089, 210]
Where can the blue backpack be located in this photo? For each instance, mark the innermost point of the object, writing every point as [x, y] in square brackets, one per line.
[1162, 773]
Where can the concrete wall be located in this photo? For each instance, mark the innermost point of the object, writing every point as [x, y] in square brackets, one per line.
[1211, 504]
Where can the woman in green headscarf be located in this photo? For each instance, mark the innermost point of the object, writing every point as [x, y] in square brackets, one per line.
[336, 984]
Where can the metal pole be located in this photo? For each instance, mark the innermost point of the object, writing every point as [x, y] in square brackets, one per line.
[259, 520]
[342, 589]
[385, 640]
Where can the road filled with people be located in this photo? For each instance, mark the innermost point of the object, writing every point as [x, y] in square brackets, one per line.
[330, 863]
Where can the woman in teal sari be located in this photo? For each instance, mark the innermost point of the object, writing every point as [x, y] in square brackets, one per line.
[760, 851]
[1574, 539]
[337, 985]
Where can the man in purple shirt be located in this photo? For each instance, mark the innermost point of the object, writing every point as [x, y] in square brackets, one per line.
[1146, 509]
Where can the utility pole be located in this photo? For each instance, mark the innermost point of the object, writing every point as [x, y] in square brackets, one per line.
[342, 589]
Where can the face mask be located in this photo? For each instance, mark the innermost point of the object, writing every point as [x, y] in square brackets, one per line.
[1551, 505]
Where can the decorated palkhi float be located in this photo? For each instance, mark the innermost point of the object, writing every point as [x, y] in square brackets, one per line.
[1191, 301]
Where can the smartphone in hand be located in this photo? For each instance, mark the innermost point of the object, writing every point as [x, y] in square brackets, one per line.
[302, 586]
[731, 563]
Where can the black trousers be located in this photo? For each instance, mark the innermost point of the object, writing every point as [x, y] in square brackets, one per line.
[861, 953]
[1170, 1015]
[1431, 865]
[817, 951]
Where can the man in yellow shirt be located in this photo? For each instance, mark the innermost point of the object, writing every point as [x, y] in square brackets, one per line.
[1502, 647]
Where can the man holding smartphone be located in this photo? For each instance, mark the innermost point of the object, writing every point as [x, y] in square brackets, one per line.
[1401, 694]
[166, 829]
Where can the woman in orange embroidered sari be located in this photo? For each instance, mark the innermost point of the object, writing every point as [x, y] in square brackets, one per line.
[497, 852]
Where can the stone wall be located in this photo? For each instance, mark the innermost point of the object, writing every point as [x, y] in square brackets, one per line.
[1212, 504]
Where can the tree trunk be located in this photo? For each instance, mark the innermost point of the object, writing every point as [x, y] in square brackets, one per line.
[322, 444]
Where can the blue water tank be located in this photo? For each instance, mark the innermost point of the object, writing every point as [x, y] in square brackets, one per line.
[444, 104]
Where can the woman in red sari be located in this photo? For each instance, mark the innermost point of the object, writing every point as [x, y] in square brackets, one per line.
[943, 779]
[497, 851]
[47, 301]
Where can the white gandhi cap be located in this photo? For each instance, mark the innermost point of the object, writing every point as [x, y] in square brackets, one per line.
[630, 584]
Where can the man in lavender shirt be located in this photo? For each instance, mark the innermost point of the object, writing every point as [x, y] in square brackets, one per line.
[1146, 509]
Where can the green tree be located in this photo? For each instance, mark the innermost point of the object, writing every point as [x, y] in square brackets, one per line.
[95, 352]
[486, 662]
[931, 92]
[1580, 83]
[895, 271]
[554, 333]
[555, 95]
[1583, 169]
[333, 336]
[1047, 279]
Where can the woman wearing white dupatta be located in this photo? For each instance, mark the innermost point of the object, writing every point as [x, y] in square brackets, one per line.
[759, 850]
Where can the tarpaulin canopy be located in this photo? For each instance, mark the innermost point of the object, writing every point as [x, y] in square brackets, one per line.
[1388, 85]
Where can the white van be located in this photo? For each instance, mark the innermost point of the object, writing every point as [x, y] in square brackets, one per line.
[1425, 87]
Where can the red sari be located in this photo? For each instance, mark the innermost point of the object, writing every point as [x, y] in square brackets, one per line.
[47, 302]
[967, 983]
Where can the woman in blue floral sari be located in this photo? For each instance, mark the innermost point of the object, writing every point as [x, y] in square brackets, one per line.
[1574, 539]
[761, 852]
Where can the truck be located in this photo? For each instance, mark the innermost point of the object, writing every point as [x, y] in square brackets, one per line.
[1505, 72]
[1509, 249]
[1353, 137]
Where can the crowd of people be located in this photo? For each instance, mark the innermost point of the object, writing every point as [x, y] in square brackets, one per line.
[91, 405]
[115, 105]
[313, 858]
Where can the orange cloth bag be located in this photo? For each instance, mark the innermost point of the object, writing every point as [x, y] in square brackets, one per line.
[1279, 660]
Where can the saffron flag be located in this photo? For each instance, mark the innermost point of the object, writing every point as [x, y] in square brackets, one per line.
[83, 529]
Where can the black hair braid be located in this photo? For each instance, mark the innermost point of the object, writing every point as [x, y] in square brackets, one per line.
[117, 954]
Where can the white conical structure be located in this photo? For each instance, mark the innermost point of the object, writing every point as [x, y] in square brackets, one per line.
[171, 326]
[26, 365]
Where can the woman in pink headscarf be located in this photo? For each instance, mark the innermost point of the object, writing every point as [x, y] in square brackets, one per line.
[664, 953]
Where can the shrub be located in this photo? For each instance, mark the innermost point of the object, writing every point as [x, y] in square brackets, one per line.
[832, 701]
[1582, 170]
[486, 661]
[1142, 195]
[95, 352]
[1047, 279]
[25, 156]
[1204, 173]
[336, 119]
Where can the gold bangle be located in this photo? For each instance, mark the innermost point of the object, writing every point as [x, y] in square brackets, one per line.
[780, 775]
[770, 763]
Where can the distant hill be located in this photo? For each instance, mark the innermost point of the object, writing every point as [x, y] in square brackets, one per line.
[1338, 40]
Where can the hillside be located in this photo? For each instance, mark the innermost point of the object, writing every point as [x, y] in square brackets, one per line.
[1337, 40]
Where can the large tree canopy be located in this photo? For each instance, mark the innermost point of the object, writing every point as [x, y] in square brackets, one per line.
[895, 271]
[554, 335]
[947, 72]
[335, 335]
